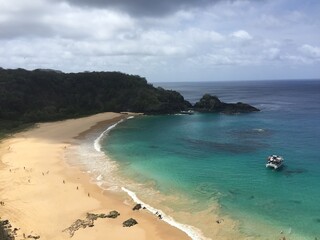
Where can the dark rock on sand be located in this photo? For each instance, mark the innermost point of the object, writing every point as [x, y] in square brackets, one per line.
[4, 222]
[6, 232]
[34, 236]
[113, 214]
[137, 207]
[129, 223]
[89, 221]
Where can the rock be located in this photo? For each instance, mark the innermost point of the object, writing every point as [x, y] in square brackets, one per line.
[129, 223]
[137, 207]
[6, 232]
[34, 237]
[113, 214]
[92, 216]
[77, 225]
[230, 108]
[4, 222]
[89, 221]
[209, 103]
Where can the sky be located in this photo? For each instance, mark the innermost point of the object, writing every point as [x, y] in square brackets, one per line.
[165, 40]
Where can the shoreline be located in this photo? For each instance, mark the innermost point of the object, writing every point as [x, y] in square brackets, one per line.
[43, 194]
[221, 226]
[91, 141]
[218, 225]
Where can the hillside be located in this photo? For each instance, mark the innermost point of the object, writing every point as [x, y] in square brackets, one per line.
[46, 95]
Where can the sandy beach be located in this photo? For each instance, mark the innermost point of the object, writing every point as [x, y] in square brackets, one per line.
[42, 195]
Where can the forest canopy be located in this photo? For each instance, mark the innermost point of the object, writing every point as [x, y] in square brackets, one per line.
[47, 95]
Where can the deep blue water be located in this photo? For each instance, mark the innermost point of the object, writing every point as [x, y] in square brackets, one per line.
[221, 158]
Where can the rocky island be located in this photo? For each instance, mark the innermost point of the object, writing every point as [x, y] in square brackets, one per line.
[209, 103]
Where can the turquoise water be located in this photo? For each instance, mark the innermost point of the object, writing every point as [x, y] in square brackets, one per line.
[221, 158]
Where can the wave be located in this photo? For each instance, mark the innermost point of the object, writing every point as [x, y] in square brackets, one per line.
[96, 144]
[191, 231]
[99, 178]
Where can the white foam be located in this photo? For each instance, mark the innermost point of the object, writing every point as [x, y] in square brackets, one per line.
[191, 231]
[96, 143]
[130, 117]
[258, 129]
[99, 178]
[113, 189]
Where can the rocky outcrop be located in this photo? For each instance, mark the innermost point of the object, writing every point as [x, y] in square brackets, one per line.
[129, 223]
[35, 237]
[113, 214]
[89, 221]
[6, 231]
[137, 207]
[209, 103]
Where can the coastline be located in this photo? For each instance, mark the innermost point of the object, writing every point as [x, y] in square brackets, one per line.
[209, 223]
[204, 225]
[43, 194]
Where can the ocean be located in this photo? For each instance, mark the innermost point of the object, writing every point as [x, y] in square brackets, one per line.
[203, 167]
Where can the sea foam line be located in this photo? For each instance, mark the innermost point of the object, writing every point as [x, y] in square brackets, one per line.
[96, 144]
[191, 231]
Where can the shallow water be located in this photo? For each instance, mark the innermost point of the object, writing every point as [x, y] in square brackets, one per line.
[199, 160]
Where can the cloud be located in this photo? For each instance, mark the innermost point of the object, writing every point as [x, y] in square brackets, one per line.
[60, 20]
[144, 7]
[18, 18]
[160, 40]
[241, 35]
[311, 51]
[272, 53]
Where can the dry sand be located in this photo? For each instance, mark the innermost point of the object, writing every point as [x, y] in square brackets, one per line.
[40, 192]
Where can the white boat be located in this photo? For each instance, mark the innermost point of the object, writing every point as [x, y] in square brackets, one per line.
[189, 112]
[275, 161]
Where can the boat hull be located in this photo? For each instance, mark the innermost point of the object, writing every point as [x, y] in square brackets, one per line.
[274, 166]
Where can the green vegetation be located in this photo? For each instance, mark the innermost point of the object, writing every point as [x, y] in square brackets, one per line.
[46, 95]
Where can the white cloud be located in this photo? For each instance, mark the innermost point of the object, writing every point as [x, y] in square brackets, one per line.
[311, 51]
[241, 35]
[199, 35]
